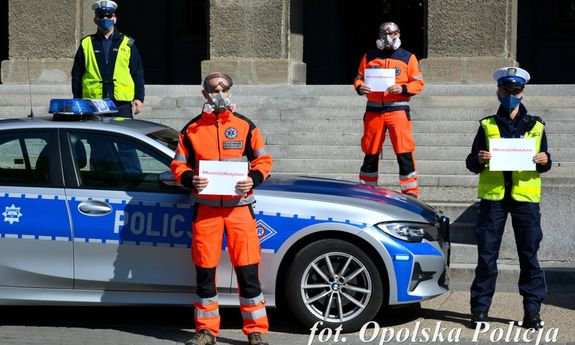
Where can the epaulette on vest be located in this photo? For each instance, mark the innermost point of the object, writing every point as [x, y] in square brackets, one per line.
[537, 118]
[531, 120]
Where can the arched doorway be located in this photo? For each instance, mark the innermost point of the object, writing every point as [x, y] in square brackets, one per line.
[172, 38]
[338, 33]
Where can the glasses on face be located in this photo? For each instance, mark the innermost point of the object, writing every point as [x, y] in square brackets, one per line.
[105, 15]
[214, 88]
[388, 33]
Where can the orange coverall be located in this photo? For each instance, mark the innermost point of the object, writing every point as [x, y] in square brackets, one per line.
[224, 136]
[387, 111]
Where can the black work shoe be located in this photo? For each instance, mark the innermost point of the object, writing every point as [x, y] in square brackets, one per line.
[202, 337]
[413, 195]
[478, 317]
[532, 320]
[257, 338]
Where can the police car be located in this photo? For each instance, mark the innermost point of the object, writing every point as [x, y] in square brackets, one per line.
[91, 214]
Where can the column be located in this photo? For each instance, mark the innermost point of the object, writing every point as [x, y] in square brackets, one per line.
[256, 41]
[469, 39]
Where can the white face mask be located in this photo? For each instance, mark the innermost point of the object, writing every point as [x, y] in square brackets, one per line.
[385, 42]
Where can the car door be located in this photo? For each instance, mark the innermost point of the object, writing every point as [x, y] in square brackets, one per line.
[130, 232]
[36, 247]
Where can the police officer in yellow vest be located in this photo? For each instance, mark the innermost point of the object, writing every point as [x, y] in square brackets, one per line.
[509, 192]
[108, 64]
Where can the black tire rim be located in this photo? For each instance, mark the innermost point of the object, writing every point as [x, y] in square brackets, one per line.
[336, 287]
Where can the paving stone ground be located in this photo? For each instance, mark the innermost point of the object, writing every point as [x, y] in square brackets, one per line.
[163, 326]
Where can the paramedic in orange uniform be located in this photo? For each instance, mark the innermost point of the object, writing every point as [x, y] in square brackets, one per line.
[389, 109]
[221, 134]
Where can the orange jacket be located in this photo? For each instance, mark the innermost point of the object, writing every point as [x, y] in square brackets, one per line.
[226, 136]
[407, 75]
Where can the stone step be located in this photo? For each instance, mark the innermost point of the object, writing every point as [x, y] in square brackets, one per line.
[421, 152]
[418, 126]
[434, 89]
[421, 139]
[559, 277]
[312, 166]
[326, 100]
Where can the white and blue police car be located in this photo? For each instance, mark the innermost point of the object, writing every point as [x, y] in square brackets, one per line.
[91, 214]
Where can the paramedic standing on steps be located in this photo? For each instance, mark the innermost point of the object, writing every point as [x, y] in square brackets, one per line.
[389, 109]
[221, 134]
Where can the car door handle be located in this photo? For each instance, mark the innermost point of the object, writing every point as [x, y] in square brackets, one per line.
[94, 208]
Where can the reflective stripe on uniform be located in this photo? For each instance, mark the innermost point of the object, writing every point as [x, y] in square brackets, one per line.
[225, 202]
[236, 159]
[205, 301]
[206, 314]
[407, 177]
[180, 157]
[367, 174]
[252, 301]
[417, 78]
[254, 315]
[260, 152]
[405, 186]
[386, 104]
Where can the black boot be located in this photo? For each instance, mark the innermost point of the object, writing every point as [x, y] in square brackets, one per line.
[477, 317]
[531, 319]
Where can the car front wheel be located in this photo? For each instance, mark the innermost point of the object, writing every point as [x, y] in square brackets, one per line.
[335, 282]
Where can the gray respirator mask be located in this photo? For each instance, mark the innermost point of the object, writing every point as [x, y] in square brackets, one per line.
[386, 42]
[219, 103]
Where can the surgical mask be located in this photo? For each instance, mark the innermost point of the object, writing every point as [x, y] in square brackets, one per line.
[509, 102]
[105, 23]
[219, 103]
[384, 41]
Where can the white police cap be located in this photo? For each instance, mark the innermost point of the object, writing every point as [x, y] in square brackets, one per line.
[511, 75]
[104, 6]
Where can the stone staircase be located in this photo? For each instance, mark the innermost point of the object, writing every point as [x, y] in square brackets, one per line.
[316, 130]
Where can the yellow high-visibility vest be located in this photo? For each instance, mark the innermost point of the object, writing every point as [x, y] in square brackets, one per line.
[92, 84]
[526, 185]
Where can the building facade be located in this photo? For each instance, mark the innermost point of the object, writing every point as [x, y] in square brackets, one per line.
[295, 41]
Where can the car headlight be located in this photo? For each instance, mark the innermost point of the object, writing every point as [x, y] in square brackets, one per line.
[410, 232]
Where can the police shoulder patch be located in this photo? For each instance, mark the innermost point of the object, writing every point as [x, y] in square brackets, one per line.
[130, 41]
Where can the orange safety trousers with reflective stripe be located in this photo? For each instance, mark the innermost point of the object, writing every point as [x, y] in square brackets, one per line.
[375, 124]
[244, 249]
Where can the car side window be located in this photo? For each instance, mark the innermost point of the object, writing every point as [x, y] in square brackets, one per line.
[24, 159]
[112, 162]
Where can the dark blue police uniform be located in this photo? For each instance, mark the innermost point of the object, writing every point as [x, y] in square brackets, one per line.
[526, 221]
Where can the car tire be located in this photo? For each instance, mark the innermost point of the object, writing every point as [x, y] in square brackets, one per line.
[350, 293]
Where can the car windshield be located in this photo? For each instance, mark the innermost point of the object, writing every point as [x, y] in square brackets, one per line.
[166, 136]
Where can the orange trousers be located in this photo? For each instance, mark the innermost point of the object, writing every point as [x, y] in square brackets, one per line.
[244, 249]
[398, 124]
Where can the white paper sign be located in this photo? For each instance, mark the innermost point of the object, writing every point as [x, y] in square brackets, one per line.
[512, 154]
[222, 176]
[379, 79]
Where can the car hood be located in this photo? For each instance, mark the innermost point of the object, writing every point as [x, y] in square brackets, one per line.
[353, 193]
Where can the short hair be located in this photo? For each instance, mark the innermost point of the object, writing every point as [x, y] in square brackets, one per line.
[213, 75]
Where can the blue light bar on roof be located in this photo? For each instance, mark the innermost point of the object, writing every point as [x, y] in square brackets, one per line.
[79, 106]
